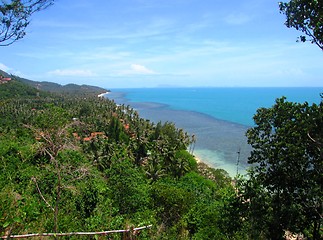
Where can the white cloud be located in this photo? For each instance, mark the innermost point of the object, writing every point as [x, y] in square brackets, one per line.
[4, 67]
[140, 69]
[72, 73]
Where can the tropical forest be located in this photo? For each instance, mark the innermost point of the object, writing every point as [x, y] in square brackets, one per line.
[75, 163]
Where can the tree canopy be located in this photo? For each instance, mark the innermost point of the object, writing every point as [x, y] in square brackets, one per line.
[15, 17]
[284, 191]
[307, 17]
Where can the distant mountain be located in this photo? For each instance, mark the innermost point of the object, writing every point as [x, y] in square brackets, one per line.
[58, 88]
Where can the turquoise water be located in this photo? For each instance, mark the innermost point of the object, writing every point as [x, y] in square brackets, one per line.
[231, 104]
[219, 117]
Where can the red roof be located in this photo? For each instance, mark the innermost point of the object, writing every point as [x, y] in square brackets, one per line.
[3, 79]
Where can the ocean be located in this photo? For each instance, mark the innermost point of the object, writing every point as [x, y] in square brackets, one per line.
[218, 117]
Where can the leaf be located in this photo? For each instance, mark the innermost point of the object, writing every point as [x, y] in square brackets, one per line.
[6, 224]
[17, 219]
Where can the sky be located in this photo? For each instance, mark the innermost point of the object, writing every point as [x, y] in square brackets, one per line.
[164, 43]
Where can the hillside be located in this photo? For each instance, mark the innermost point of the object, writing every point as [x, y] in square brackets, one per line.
[57, 88]
[17, 89]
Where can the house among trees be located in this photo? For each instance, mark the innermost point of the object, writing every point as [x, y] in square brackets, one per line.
[4, 79]
[93, 135]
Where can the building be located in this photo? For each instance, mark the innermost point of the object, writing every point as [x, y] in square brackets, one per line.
[4, 79]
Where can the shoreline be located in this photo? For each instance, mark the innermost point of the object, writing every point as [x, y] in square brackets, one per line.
[218, 141]
[197, 159]
[103, 94]
[219, 163]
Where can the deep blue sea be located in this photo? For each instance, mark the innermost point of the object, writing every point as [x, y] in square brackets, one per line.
[219, 117]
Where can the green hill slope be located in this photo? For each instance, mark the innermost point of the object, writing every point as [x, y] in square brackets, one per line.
[15, 89]
[57, 88]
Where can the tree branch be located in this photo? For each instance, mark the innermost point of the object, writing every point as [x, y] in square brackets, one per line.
[134, 230]
[314, 39]
[15, 17]
[35, 181]
[315, 141]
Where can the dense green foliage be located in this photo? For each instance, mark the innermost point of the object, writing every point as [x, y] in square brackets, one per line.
[85, 164]
[72, 163]
[307, 17]
[284, 191]
[18, 89]
[69, 89]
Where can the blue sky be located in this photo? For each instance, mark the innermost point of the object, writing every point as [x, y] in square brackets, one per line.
[151, 43]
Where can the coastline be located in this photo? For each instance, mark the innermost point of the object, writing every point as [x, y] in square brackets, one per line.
[103, 94]
[218, 141]
[197, 159]
[120, 98]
